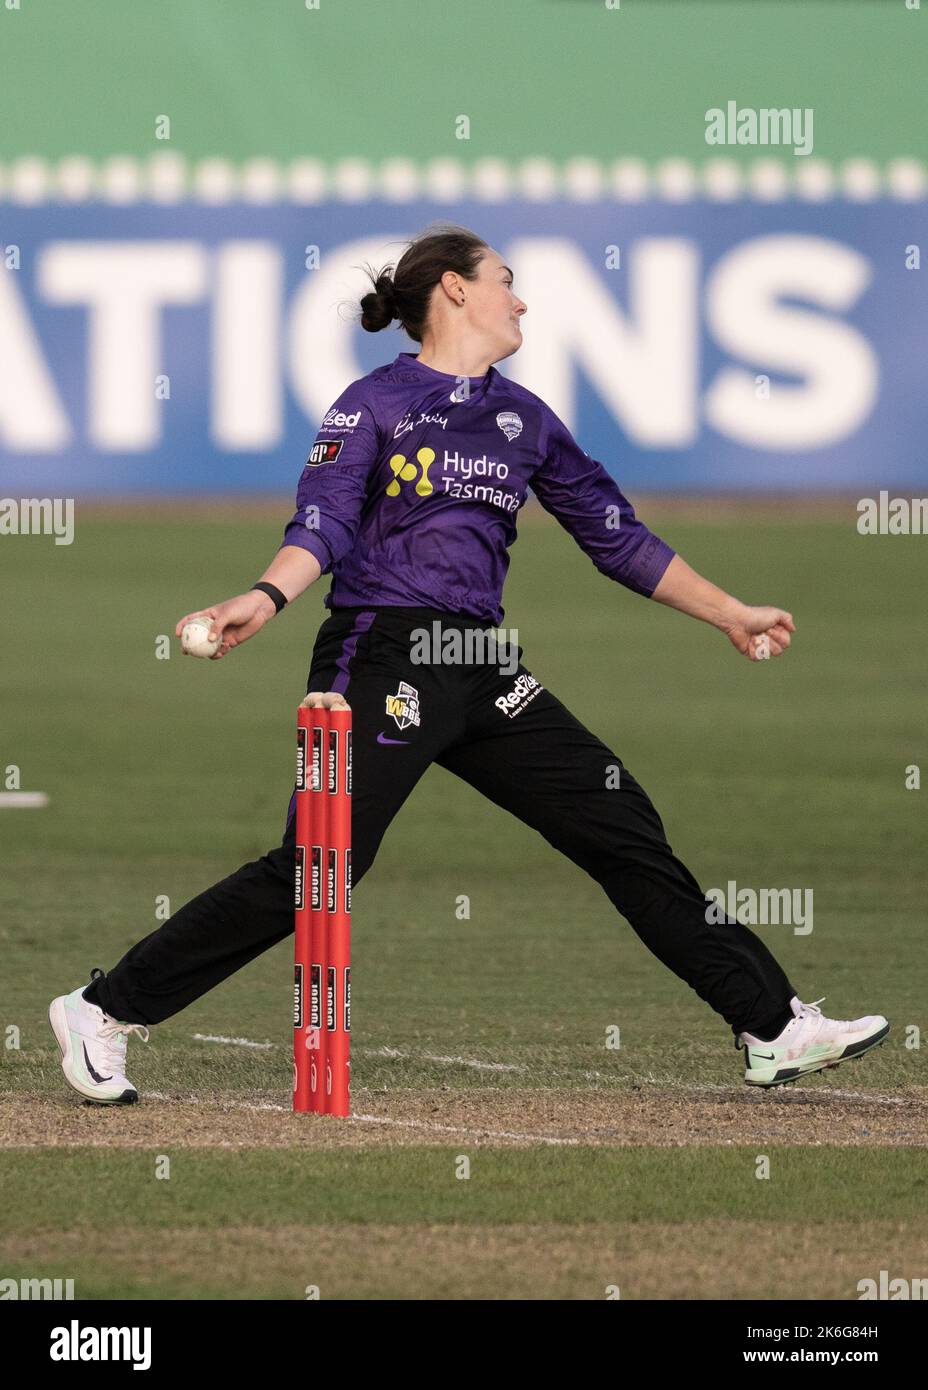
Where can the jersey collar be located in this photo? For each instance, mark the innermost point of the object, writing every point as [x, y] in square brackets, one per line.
[407, 361]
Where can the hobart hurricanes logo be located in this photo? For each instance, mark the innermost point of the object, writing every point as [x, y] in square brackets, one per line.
[510, 423]
[404, 472]
[404, 705]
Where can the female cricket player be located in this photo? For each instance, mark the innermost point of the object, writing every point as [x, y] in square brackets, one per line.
[409, 501]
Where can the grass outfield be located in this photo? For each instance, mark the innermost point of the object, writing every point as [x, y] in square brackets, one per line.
[526, 1223]
[483, 1037]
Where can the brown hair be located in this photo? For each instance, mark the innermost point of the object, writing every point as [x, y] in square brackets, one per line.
[407, 293]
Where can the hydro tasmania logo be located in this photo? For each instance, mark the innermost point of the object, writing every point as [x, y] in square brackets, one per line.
[404, 706]
[404, 472]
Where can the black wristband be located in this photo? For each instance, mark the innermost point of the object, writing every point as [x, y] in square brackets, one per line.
[278, 599]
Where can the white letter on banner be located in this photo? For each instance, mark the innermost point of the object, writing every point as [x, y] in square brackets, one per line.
[247, 404]
[32, 418]
[320, 353]
[124, 285]
[839, 366]
[643, 364]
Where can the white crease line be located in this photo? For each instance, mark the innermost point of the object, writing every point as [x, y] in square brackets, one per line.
[367, 1119]
[865, 1095]
[391, 1052]
[233, 1042]
[416, 1124]
[458, 1129]
[466, 1062]
[728, 1090]
[394, 1052]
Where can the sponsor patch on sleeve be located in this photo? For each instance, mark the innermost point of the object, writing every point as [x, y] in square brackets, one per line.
[324, 451]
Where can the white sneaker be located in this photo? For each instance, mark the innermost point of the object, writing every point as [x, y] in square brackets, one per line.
[809, 1042]
[93, 1049]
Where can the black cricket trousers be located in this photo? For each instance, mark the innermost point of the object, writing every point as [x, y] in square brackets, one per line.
[505, 734]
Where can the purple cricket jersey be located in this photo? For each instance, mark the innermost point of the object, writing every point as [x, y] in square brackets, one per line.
[411, 490]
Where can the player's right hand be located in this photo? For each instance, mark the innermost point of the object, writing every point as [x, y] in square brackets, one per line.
[235, 620]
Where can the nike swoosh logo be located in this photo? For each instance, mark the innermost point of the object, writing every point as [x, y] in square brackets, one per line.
[95, 1074]
[382, 738]
[765, 1056]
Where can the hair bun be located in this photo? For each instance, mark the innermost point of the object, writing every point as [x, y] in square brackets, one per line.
[404, 290]
[386, 289]
[378, 309]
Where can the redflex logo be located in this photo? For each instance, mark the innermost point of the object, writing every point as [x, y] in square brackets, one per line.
[525, 689]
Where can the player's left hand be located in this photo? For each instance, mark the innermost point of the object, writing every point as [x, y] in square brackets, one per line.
[760, 633]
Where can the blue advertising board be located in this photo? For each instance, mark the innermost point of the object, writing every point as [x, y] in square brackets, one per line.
[690, 347]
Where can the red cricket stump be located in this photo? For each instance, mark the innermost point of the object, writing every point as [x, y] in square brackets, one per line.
[338, 914]
[317, 807]
[301, 913]
[322, 961]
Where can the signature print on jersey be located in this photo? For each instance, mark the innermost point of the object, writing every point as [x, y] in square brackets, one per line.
[410, 422]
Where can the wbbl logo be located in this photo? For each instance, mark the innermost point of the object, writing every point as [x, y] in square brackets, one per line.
[404, 705]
